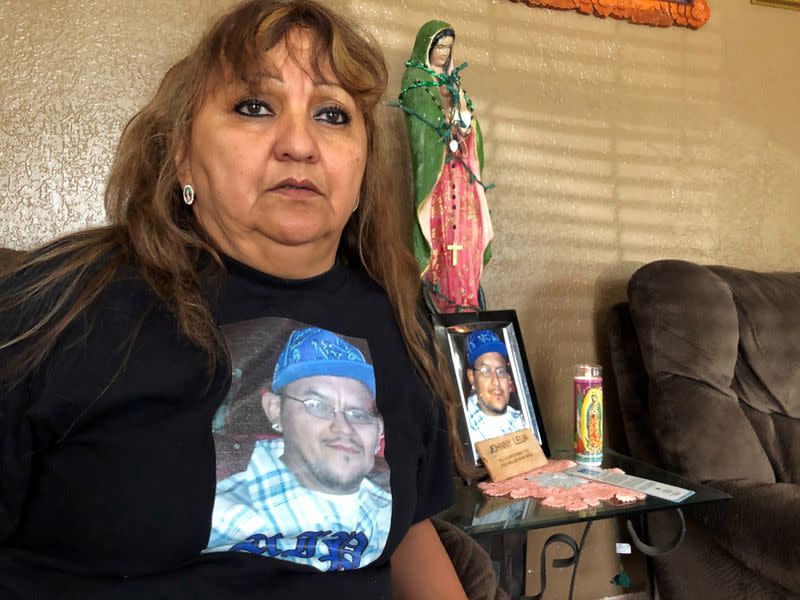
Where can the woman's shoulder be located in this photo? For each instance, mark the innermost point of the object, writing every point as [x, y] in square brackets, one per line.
[51, 282]
[128, 278]
[51, 296]
[56, 262]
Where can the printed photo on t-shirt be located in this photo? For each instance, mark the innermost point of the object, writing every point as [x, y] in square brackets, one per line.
[300, 469]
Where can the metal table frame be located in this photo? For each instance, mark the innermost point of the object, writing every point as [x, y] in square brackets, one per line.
[506, 542]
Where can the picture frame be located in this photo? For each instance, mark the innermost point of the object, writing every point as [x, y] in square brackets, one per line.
[484, 397]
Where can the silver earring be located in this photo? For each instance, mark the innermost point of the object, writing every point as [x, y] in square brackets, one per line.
[277, 427]
[358, 201]
[188, 194]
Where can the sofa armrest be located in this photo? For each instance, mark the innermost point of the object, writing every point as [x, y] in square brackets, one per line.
[760, 527]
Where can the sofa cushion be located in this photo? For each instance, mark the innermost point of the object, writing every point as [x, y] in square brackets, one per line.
[768, 370]
[780, 437]
[759, 527]
[687, 325]
[767, 375]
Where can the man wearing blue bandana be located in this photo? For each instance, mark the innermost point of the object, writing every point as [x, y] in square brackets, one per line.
[306, 497]
[488, 412]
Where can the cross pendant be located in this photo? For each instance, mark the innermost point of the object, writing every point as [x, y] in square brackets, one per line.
[454, 248]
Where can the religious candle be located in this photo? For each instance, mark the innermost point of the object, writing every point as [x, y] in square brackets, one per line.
[587, 384]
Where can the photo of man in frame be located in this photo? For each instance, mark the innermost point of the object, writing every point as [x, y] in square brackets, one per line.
[488, 410]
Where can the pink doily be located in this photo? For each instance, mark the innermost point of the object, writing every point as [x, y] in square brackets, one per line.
[560, 490]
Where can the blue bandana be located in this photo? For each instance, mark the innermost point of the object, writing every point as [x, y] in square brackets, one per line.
[314, 351]
[482, 341]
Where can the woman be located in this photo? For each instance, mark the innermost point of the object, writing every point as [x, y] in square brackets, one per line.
[249, 188]
[452, 230]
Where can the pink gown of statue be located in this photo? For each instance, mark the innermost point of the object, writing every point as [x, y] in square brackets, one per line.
[458, 216]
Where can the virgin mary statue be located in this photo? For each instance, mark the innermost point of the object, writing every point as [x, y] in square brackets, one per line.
[452, 231]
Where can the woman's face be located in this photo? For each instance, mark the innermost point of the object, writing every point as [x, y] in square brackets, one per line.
[440, 52]
[277, 170]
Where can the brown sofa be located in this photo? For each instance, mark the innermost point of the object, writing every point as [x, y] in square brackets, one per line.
[707, 363]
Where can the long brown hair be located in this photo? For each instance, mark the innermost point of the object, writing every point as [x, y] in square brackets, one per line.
[150, 227]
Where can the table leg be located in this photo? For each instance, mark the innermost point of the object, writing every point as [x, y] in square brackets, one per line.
[512, 566]
[649, 550]
[561, 563]
[642, 544]
[651, 575]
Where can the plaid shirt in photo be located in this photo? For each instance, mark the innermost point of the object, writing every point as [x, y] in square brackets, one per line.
[483, 426]
[265, 510]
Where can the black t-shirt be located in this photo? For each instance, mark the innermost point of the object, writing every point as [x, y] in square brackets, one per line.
[109, 472]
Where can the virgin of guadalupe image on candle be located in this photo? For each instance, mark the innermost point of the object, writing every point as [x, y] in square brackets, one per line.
[595, 425]
[452, 231]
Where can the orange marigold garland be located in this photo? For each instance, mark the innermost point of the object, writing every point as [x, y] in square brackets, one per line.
[659, 13]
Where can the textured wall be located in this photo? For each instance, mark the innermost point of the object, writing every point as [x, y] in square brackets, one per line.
[610, 144]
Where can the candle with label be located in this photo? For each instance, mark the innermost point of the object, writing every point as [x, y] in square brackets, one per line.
[587, 387]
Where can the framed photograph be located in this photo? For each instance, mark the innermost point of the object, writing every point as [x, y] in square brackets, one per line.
[488, 363]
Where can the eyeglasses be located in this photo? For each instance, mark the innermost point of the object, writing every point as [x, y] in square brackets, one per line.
[486, 372]
[321, 410]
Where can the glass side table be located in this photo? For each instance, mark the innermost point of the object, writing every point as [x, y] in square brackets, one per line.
[501, 523]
